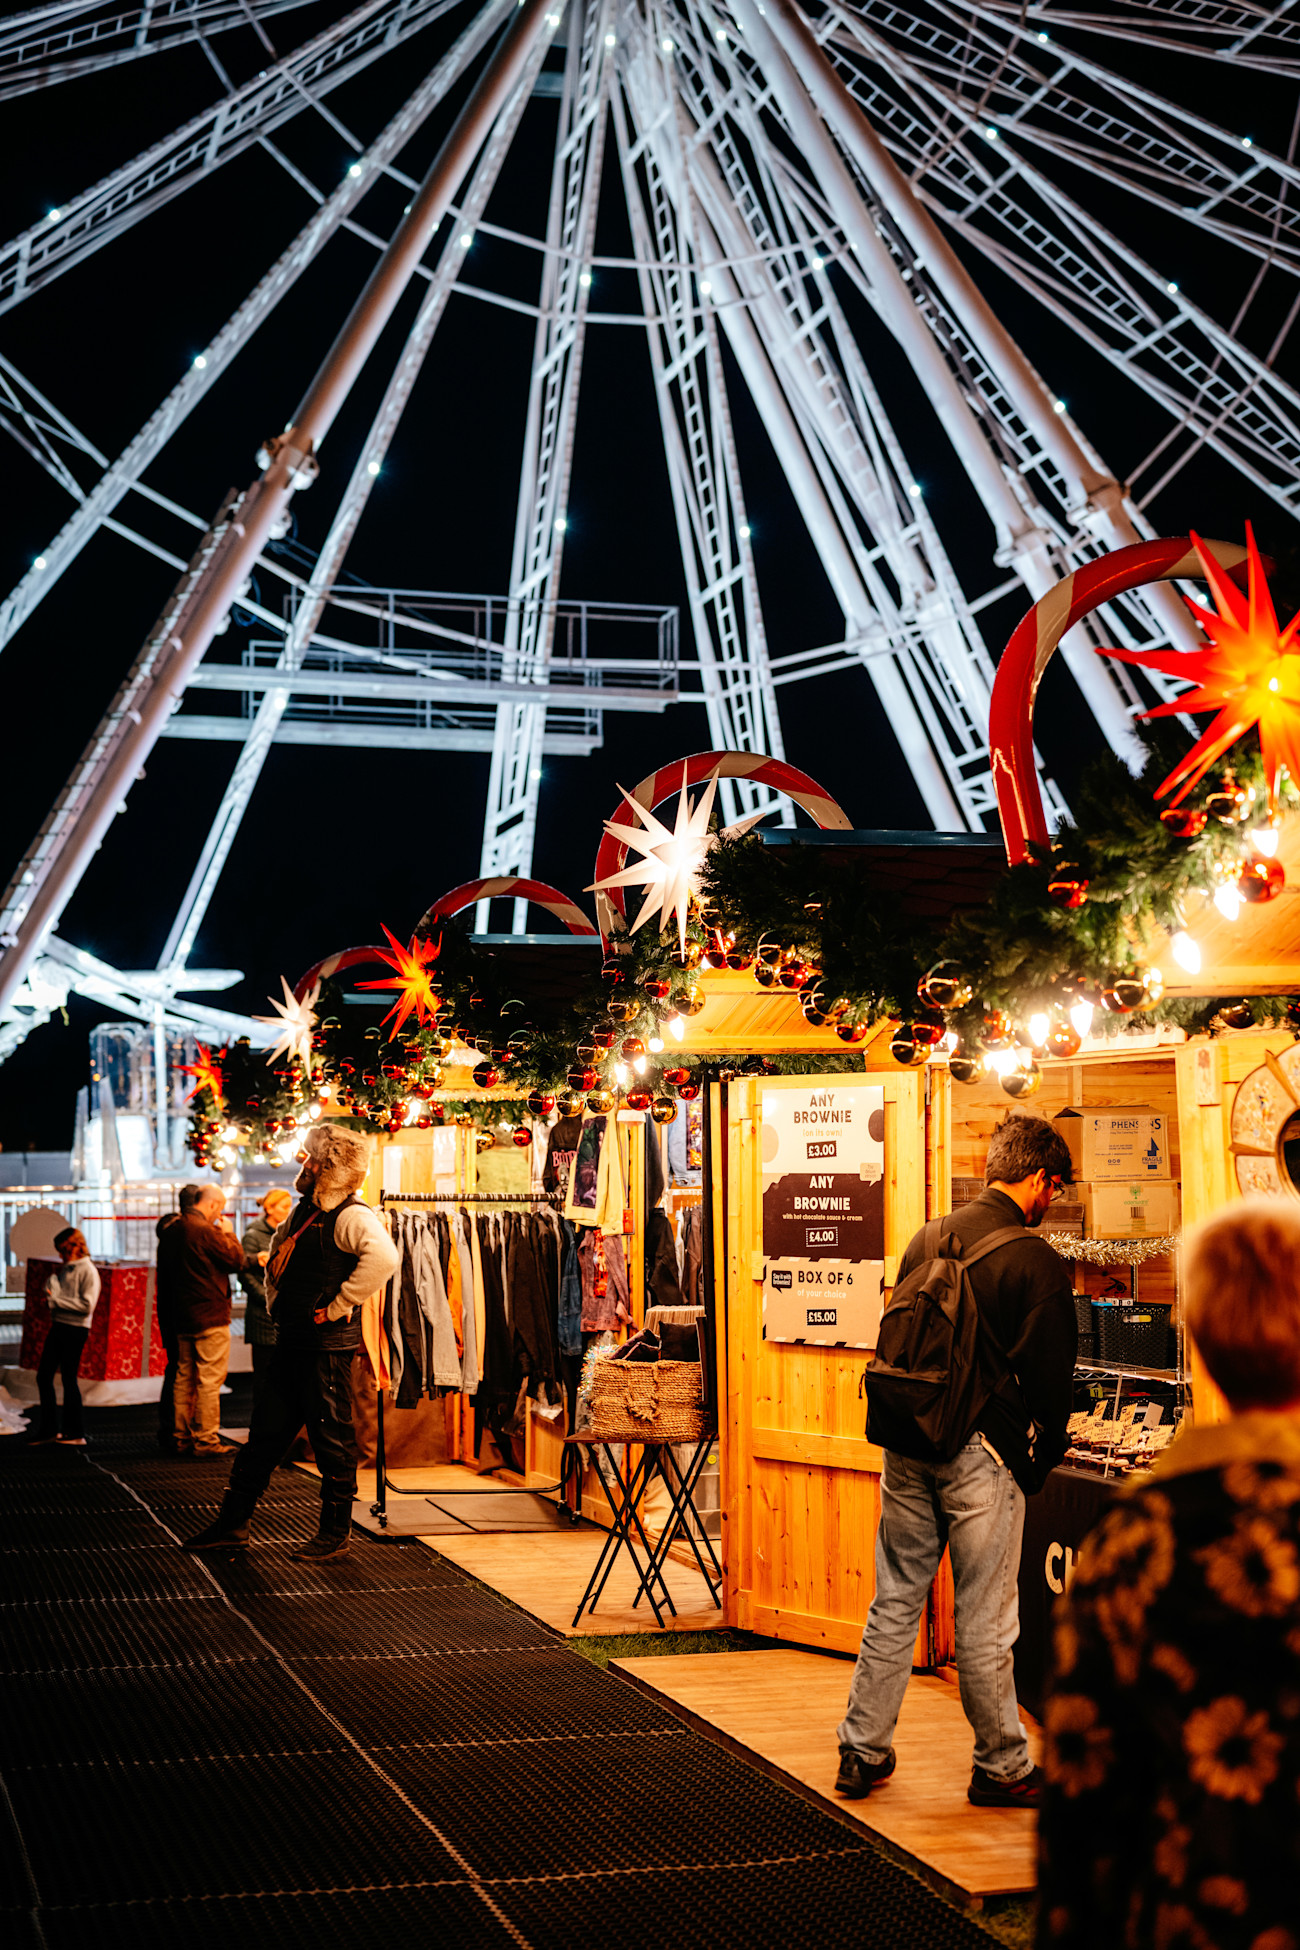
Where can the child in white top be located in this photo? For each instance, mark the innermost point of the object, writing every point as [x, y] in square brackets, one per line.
[71, 1293]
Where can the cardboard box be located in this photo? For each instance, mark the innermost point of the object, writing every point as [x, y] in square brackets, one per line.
[1136, 1208]
[124, 1342]
[1125, 1141]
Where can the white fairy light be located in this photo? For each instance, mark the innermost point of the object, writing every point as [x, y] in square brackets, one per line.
[620, 1073]
[1081, 1017]
[1185, 951]
[676, 1027]
[639, 1065]
[1227, 898]
[1264, 839]
[654, 1044]
[1038, 1026]
[1002, 1061]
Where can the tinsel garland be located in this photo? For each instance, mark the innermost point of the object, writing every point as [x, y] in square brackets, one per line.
[1111, 1252]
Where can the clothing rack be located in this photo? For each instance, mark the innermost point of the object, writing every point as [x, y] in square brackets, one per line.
[379, 1508]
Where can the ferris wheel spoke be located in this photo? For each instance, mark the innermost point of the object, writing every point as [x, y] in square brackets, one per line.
[541, 514]
[85, 224]
[46, 45]
[335, 213]
[1264, 37]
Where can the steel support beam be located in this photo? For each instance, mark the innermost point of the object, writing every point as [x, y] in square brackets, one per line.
[57, 859]
[541, 518]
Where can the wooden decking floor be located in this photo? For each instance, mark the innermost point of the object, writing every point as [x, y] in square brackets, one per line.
[782, 1707]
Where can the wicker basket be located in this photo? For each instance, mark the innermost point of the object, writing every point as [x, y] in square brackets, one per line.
[647, 1401]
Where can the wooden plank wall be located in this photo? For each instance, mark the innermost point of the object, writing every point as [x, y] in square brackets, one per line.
[801, 1490]
[1088, 1083]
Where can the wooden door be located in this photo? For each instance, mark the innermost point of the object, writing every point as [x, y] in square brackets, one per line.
[801, 1483]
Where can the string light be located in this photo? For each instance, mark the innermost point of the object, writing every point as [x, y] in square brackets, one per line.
[1038, 1026]
[1185, 952]
[1081, 1017]
[676, 1027]
[1228, 900]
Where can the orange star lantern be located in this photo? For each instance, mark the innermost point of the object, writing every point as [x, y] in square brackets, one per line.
[414, 983]
[206, 1073]
[1249, 673]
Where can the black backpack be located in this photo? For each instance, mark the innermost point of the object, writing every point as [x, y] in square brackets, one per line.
[926, 1383]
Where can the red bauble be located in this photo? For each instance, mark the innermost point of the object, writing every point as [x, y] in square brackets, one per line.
[602, 1038]
[852, 1032]
[738, 960]
[1261, 879]
[1062, 1040]
[486, 1074]
[423, 1123]
[541, 1103]
[581, 1079]
[631, 1048]
[688, 1092]
[1067, 887]
[927, 1030]
[521, 1136]
[639, 1099]
[792, 974]
[655, 987]
[677, 1077]
[998, 1031]
[765, 975]
[612, 975]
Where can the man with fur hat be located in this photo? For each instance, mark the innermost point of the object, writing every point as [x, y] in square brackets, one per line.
[326, 1257]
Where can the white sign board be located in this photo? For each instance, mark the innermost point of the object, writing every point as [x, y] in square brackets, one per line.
[824, 1213]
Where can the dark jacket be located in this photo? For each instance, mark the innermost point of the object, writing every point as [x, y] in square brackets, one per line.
[1025, 1299]
[1173, 1723]
[195, 1261]
[259, 1328]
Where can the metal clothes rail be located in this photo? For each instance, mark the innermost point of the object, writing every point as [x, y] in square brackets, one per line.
[492, 1201]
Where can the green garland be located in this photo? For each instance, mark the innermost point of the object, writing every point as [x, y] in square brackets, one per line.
[1019, 951]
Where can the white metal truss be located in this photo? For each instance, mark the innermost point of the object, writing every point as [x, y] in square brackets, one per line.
[695, 418]
[783, 163]
[46, 45]
[541, 516]
[313, 599]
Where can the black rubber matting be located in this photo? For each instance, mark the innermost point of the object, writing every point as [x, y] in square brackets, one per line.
[499, 1510]
[372, 1751]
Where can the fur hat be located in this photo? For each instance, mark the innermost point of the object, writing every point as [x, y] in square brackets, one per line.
[344, 1159]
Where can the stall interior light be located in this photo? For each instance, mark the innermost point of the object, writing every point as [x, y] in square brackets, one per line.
[1081, 1017]
[1227, 899]
[1003, 1061]
[1185, 952]
[1038, 1026]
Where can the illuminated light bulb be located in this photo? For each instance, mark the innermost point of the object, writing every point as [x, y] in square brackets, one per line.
[52, 216]
[620, 1072]
[560, 524]
[817, 264]
[722, 35]
[39, 563]
[316, 1110]
[584, 279]
[1058, 406]
[677, 1027]
[1002, 1061]
[1228, 901]
[667, 47]
[705, 287]
[372, 468]
[1264, 839]
[745, 531]
[947, 1043]
[1185, 952]
[611, 40]
[654, 1044]
[229, 1135]
[1081, 1017]
[1038, 1026]
[639, 1065]
[467, 238]
[289, 1149]
[200, 362]
[915, 490]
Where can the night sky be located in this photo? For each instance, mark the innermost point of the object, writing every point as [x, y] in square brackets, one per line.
[336, 842]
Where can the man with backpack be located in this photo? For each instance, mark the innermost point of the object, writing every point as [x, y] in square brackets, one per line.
[969, 1394]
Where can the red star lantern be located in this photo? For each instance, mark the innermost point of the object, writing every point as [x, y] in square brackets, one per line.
[206, 1074]
[414, 983]
[1248, 673]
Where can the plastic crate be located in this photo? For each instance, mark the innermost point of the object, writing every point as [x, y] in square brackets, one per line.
[1083, 1312]
[1137, 1335]
[1087, 1344]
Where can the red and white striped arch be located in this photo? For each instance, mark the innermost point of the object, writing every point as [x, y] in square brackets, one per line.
[1027, 655]
[667, 781]
[333, 964]
[536, 891]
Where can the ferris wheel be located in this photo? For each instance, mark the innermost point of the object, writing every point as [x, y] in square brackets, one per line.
[797, 178]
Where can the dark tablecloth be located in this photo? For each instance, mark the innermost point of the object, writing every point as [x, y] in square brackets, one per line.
[1056, 1522]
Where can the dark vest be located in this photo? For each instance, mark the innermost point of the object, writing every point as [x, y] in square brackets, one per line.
[317, 1270]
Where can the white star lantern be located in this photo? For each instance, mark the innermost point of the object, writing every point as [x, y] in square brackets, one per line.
[671, 860]
[293, 1023]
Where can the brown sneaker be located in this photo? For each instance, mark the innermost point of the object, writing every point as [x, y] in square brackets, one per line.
[987, 1792]
[857, 1777]
[318, 1549]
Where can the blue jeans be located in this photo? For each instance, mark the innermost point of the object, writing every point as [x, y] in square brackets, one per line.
[974, 1505]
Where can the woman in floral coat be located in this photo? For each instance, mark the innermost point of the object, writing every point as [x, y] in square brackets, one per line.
[1172, 1812]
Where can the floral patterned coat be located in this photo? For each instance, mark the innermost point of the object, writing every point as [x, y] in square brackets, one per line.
[1172, 1812]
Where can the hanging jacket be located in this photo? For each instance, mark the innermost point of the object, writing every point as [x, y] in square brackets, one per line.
[533, 1278]
[662, 1286]
[569, 1303]
[469, 1366]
